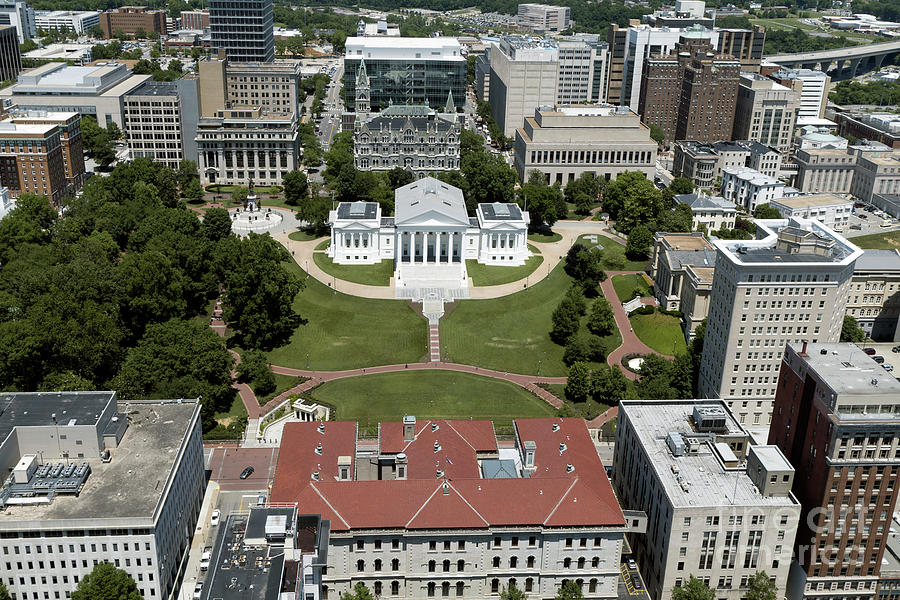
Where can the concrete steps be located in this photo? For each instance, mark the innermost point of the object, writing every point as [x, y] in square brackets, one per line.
[434, 341]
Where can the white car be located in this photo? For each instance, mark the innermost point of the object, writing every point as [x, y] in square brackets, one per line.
[204, 560]
[215, 518]
[197, 589]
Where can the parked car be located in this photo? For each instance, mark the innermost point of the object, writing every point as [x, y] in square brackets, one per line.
[204, 560]
[879, 359]
[888, 368]
[246, 472]
[895, 349]
[862, 216]
[856, 226]
[215, 518]
[869, 351]
[198, 589]
[632, 565]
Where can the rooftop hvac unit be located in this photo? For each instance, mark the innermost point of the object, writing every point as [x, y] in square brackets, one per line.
[710, 418]
[675, 442]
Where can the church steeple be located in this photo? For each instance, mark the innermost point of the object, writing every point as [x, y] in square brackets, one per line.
[362, 89]
[450, 107]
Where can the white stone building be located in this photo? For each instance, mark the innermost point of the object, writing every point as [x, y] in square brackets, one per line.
[828, 209]
[720, 507]
[682, 269]
[712, 212]
[430, 235]
[544, 17]
[77, 21]
[749, 188]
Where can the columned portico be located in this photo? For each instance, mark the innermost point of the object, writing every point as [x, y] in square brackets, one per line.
[430, 247]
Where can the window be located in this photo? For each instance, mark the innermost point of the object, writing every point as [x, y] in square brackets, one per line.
[431, 566]
[378, 544]
[431, 588]
[495, 586]
[395, 588]
[496, 542]
[496, 562]
[567, 563]
[446, 545]
[445, 589]
[378, 564]
[581, 562]
[513, 562]
[377, 587]
[530, 562]
[461, 545]
[460, 565]
[432, 545]
[395, 564]
[446, 566]
[395, 544]
[360, 565]
[459, 588]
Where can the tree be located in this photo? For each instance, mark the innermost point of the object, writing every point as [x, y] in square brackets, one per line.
[602, 320]
[566, 321]
[761, 587]
[95, 31]
[639, 242]
[569, 590]
[99, 142]
[398, 177]
[657, 134]
[296, 188]
[360, 592]
[4, 593]
[632, 199]
[766, 211]
[186, 173]
[851, 331]
[510, 593]
[694, 590]
[216, 224]
[585, 266]
[679, 185]
[490, 179]
[608, 385]
[106, 582]
[255, 370]
[239, 195]
[578, 385]
[194, 191]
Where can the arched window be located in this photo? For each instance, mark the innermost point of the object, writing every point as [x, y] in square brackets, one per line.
[395, 588]
[377, 564]
[459, 588]
[496, 562]
[377, 588]
[446, 566]
[511, 583]
[495, 586]
[567, 563]
[580, 563]
[431, 587]
[592, 587]
[513, 561]
[530, 562]
[360, 565]
[395, 564]
[324, 592]
[445, 589]
[579, 583]
[595, 562]
[431, 566]
[460, 565]
[529, 585]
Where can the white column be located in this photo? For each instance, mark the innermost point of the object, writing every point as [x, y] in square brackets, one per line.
[441, 247]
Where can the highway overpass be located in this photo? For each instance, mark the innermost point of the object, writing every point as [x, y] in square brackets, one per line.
[842, 63]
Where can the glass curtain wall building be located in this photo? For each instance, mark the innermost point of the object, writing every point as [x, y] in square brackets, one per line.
[243, 28]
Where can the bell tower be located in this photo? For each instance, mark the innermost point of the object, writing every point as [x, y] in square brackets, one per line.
[362, 89]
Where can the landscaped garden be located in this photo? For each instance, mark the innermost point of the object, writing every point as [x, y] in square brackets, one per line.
[613, 253]
[282, 384]
[660, 331]
[378, 274]
[631, 285]
[483, 275]
[304, 235]
[345, 332]
[545, 237]
[370, 399]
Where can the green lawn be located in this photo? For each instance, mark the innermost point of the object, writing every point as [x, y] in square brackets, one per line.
[544, 237]
[627, 285]
[304, 235]
[378, 274]
[661, 332]
[496, 275]
[889, 240]
[345, 332]
[282, 384]
[613, 254]
[370, 399]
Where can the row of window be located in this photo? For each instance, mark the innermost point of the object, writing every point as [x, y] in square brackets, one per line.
[496, 542]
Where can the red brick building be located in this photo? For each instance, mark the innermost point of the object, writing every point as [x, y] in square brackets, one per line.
[131, 19]
[195, 19]
[69, 124]
[31, 160]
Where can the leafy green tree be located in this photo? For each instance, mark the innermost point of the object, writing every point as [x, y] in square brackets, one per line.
[95, 31]
[766, 211]
[470, 142]
[566, 321]
[239, 195]
[186, 173]
[98, 142]
[338, 39]
[296, 188]
[608, 385]
[398, 177]
[602, 320]
[639, 242]
[259, 303]
[541, 201]
[314, 211]
[490, 179]
[851, 331]
[255, 370]
[30, 222]
[679, 185]
[585, 266]
[657, 134]
[632, 199]
[360, 592]
[216, 224]
[761, 587]
[569, 590]
[106, 582]
[193, 192]
[678, 220]
[65, 381]
[695, 589]
[578, 385]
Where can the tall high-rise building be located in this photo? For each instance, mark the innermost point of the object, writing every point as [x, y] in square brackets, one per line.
[788, 285]
[243, 28]
[810, 85]
[10, 57]
[21, 16]
[543, 17]
[766, 112]
[31, 160]
[837, 418]
[166, 132]
[691, 93]
[69, 124]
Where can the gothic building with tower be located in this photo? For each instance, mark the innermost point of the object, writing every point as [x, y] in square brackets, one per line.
[413, 137]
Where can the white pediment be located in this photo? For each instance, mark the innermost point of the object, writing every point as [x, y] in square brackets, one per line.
[432, 218]
[355, 225]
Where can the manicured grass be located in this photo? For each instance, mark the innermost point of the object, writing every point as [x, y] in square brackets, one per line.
[496, 275]
[282, 384]
[323, 245]
[377, 274]
[509, 333]
[627, 285]
[303, 236]
[544, 237]
[345, 332]
[889, 240]
[370, 399]
[613, 254]
[237, 409]
[661, 332]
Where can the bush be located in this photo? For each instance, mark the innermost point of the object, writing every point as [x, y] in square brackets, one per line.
[644, 310]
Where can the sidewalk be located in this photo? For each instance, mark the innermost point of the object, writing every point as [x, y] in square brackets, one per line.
[630, 342]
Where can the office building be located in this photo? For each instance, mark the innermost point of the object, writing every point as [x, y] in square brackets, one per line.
[720, 507]
[544, 17]
[811, 86]
[10, 57]
[18, 14]
[682, 268]
[684, 14]
[432, 515]
[828, 209]
[415, 138]
[405, 70]
[816, 138]
[837, 419]
[748, 188]
[97, 481]
[704, 164]
[824, 170]
[132, 19]
[765, 112]
[746, 45]
[582, 70]
[243, 29]
[874, 299]
[31, 160]
[75, 54]
[878, 127]
[69, 124]
[876, 173]
[161, 121]
[195, 20]
[483, 75]
[66, 20]
[789, 284]
[708, 212]
[89, 90]
[563, 142]
[691, 93]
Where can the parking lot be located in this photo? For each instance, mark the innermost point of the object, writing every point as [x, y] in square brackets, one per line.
[868, 220]
[891, 358]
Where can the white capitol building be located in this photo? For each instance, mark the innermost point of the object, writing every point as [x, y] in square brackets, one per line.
[431, 235]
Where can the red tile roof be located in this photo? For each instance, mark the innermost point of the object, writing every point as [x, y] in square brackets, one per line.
[459, 443]
[298, 459]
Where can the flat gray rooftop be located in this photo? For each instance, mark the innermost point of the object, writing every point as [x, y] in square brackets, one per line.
[130, 486]
[28, 409]
[878, 260]
[237, 572]
[848, 370]
[710, 483]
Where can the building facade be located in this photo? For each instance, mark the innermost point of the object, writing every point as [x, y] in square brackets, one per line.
[719, 507]
[566, 141]
[682, 269]
[69, 124]
[133, 19]
[828, 209]
[153, 117]
[824, 170]
[544, 17]
[704, 164]
[10, 57]
[748, 188]
[243, 29]
[879, 127]
[836, 419]
[18, 14]
[709, 212]
[874, 299]
[77, 21]
[811, 87]
[789, 284]
[876, 173]
[765, 112]
[97, 510]
[31, 160]
[195, 20]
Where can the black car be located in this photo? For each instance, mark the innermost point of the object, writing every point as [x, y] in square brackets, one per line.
[246, 472]
[878, 359]
[895, 349]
